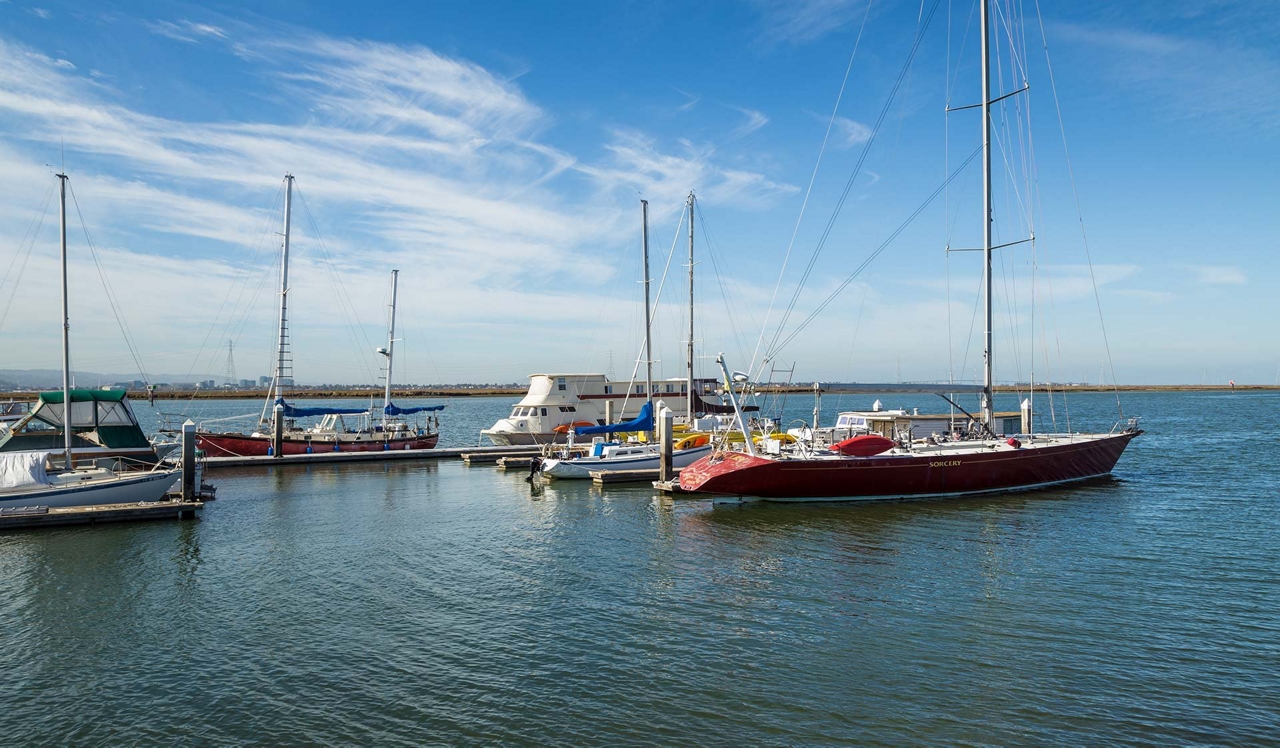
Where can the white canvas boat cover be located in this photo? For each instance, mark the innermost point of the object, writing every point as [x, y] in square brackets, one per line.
[19, 469]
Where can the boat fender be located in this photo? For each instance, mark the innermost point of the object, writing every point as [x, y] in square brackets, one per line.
[309, 450]
[1014, 443]
[385, 446]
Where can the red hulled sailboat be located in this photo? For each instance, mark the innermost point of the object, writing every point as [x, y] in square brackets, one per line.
[975, 459]
[369, 430]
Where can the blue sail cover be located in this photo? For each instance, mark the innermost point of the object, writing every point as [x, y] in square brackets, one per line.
[393, 410]
[292, 412]
[642, 422]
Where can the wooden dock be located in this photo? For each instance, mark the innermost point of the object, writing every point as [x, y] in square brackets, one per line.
[41, 516]
[602, 477]
[469, 455]
[498, 455]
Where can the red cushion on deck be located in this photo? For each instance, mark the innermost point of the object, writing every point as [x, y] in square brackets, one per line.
[867, 445]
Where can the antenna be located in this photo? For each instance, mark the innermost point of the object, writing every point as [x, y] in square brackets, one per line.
[231, 364]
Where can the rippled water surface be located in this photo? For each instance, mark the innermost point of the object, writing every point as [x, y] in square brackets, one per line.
[430, 603]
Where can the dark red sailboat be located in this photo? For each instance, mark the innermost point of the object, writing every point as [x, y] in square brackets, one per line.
[958, 462]
[371, 430]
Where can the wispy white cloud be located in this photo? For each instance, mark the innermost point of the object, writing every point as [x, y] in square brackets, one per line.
[185, 31]
[1184, 78]
[803, 21]
[1218, 275]
[406, 158]
[40, 13]
[638, 164]
[850, 132]
[754, 121]
[690, 101]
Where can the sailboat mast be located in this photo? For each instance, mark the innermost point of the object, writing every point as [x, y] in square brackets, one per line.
[282, 347]
[391, 340]
[648, 342]
[66, 328]
[689, 358]
[988, 379]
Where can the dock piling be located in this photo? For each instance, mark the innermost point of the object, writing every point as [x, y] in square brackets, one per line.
[665, 472]
[190, 484]
[277, 430]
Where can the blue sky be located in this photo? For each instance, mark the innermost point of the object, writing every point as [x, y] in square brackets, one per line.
[495, 153]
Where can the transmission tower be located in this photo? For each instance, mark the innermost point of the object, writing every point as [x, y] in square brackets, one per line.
[231, 365]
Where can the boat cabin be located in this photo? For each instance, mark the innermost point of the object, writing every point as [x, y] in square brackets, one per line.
[102, 422]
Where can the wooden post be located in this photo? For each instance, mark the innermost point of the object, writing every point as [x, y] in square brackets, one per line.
[666, 471]
[608, 412]
[277, 430]
[189, 486]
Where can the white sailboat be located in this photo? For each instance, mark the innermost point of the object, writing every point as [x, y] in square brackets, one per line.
[25, 476]
[640, 456]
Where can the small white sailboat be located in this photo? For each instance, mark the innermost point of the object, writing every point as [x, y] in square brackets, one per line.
[25, 476]
[636, 455]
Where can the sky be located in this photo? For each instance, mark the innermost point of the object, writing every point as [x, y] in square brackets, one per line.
[496, 154]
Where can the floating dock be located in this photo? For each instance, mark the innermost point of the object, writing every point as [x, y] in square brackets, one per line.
[514, 463]
[670, 486]
[43, 516]
[601, 477]
[470, 455]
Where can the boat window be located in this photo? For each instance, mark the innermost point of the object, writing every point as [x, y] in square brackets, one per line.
[639, 389]
[560, 384]
[671, 388]
[544, 411]
[572, 409]
[608, 389]
[684, 389]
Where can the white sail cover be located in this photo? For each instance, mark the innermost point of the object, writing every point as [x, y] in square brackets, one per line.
[20, 469]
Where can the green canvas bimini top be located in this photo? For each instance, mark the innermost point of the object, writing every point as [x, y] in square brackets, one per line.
[85, 396]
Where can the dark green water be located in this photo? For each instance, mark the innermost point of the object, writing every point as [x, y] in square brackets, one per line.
[428, 603]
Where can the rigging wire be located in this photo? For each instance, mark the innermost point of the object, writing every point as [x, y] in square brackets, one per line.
[653, 314]
[241, 280]
[732, 310]
[111, 296]
[344, 299]
[870, 258]
[844, 196]
[33, 230]
[1075, 193]
[812, 178]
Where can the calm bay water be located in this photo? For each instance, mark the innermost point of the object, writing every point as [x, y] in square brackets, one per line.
[429, 603]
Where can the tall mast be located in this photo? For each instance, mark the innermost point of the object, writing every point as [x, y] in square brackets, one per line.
[66, 329]
[691, 394]
[391, 340]
[282, 368]
[648, 343]
[988, 379]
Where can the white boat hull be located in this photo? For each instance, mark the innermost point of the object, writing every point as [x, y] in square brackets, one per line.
[129, 488]
[580, 468]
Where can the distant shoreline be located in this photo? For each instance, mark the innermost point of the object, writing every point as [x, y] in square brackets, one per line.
[427, 392]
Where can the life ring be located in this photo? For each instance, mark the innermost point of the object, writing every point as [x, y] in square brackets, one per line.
[691, 441]
[564, 427]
